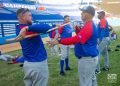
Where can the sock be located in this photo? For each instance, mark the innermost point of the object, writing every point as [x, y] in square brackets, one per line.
[61, 65]
[67, 62]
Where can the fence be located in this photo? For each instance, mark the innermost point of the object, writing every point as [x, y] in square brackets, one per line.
[7, 29]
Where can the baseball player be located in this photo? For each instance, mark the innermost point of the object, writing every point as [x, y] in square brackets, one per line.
[35, 57]
[54, 49]
[113, 35]
[5, 57]
[64, 32]
[103, 36]
[85, 48]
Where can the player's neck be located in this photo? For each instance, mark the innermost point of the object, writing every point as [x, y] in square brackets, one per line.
[87, 20]
[66, 22]
[102, 18]
[22, 22]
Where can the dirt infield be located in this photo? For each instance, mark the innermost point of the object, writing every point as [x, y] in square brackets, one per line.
[9, 47]
[14, 46]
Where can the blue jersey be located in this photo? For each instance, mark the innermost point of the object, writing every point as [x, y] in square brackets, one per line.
[107, 31]
[33, 48]
[90, 47]
[65, 31]
[85, 41]
[53, 33]
[103, 30]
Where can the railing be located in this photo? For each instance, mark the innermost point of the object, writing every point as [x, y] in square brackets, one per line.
[7, 29]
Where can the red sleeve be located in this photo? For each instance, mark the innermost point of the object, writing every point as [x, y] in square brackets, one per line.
[53, 34]
[28, 32]
[82, 37]
[103, 23]
[60, 30]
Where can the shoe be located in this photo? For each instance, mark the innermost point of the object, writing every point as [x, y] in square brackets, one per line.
[97, 72]
[68, 69]
[117, 46]
[116, 49]
[21, 65]
[109, 50]
[105, 69]
[62, 73]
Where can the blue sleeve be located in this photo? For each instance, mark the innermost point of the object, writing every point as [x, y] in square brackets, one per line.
[20, 60]
[39, 28]
[17, 30]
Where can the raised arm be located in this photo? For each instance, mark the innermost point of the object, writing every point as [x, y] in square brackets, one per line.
[39, 28]
[82, 37]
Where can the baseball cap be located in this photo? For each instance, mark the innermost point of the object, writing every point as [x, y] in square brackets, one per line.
[89, 9]
[101, 12]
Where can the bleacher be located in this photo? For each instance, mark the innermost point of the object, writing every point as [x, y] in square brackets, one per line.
[8, 19]
[7, 31]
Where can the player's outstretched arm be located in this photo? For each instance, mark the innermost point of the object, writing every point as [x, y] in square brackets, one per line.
[39, 28]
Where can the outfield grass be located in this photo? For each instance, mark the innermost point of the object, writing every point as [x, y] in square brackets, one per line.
[12, 75]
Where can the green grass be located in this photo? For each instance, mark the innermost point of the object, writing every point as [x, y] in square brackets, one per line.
[12, 75]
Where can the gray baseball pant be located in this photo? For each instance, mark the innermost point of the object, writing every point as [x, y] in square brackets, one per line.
[103, 50]
[86, 71]
[36, 73]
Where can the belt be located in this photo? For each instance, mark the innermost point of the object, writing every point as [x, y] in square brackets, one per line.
[86, 57]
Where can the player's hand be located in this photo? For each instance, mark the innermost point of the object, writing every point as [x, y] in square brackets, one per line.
[75, 27]
[21, 34]
[52, 43]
